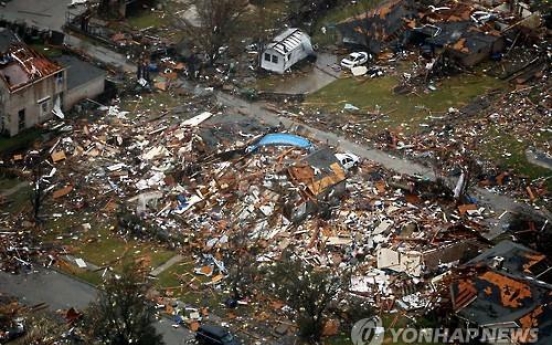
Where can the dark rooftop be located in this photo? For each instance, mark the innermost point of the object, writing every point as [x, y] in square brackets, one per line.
[6, 38]
[79, 72]
[500, 287]
[516, 259]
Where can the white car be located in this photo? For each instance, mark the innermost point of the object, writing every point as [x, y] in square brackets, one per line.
[355, 59]
[348, 160]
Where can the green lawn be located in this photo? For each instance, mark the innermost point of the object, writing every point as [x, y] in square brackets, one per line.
[7, 183]
[94, 278]
[180, 277]
[100, 245]
[151, 105]
[170, 277]
[49, 52]
[188, 287]
[147, 19]
[103, 247]
[399, 110]
[18, 202]
[508, 150]
[20, 141]
[332, 18]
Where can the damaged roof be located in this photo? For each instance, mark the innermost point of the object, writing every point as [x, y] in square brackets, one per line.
[23, 65]
[319, 172]
[288, 40]
[517, 259]
[378, 26]
[463, 37]
[498, 287]
[452, 26]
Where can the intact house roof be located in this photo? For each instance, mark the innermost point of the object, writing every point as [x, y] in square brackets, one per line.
[79, 72]
[20, 65]
[498, 288]
[289, 40]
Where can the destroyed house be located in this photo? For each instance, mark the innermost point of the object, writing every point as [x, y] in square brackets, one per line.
[517, 259]
[30, 85]
[285, 50]
[379, 28]
[498, 289]
[464, 42]
[319, 178]
[450, 29]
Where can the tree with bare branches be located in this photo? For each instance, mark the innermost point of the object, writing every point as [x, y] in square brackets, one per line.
[240, 259]
[218, 21]
[306, 289]
[121, 315]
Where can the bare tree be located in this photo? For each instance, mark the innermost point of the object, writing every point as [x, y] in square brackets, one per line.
[301, 11]
[218, 21]
[121, 315]
[307, 289]
[240, 259]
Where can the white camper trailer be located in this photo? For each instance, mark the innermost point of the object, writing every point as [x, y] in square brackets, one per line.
[285, 50]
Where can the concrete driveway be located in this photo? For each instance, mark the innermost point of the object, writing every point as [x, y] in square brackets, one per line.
[321, 75]
[44, 14]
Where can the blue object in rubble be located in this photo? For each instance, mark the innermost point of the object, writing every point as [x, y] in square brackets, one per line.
[182, 201]
[281, 139]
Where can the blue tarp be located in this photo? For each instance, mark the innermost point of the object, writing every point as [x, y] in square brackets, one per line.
[281, 139]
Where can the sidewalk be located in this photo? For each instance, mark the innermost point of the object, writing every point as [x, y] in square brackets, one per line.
[100, 53]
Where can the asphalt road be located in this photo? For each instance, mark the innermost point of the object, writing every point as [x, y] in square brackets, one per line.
[62, 292]
[44, 14]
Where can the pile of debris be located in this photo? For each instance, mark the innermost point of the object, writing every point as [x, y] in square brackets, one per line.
[208, 179]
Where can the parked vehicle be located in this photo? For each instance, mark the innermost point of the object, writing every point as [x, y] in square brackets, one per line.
[355, 59]
[348, 160]
[215, 335]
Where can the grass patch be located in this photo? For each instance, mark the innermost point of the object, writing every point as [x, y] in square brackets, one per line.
[401, 110]
[19, 201]
[509, 151]
[172, 276]
[348, 11]
[340, 339]
[332, 18]
[21, 141]
[179, 281]
[100, 246]
[151, 105]
[91, 277]
[8, 183]
[47, 51]
[147, 19]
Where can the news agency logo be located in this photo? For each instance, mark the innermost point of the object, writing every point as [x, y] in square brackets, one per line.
[370, 331]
